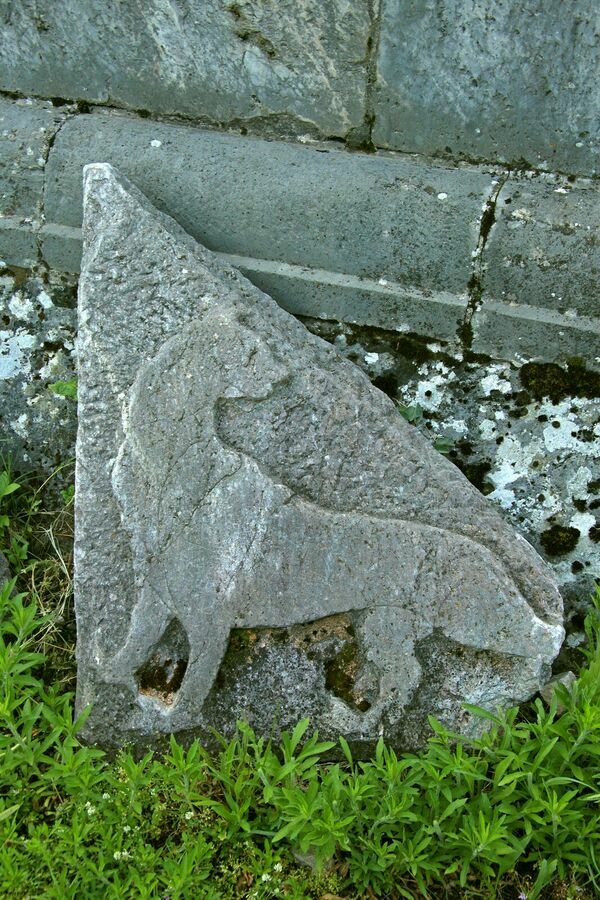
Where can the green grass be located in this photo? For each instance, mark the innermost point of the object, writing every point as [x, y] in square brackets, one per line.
[515, 813]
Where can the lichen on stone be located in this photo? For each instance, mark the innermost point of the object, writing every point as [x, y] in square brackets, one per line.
[37, 338]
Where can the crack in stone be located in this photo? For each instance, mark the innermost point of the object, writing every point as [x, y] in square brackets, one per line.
[244, 125]
[475, 283]
[46, 152]
[257, 533]
[361, 137]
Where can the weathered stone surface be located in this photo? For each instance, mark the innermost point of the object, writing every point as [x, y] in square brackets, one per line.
[25, 132]
[544, 249]
[295, 216]
[369, 239]
[492, 81]
[235, 473]
[541, 284]
[429, 77]
[506, 434]
[358, 238]
[527, 436]
[224, 62]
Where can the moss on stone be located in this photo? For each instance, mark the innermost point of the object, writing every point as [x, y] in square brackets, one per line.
[340, 676]
[476, 472]
[559, 540]
[549, 380]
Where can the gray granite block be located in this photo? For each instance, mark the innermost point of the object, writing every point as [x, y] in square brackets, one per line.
[495, 81]
[544, 250]
[229, 63]
[27, 130]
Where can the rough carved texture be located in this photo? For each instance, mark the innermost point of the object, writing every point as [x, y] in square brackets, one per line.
[235, 472]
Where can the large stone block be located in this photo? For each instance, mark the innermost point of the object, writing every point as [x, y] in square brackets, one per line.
[259, 532]
[318, 207]
[541, 284]
[492, 80]
[402, 231]
[368, 239]
[519, 332]
[544, 249]
[228, 63]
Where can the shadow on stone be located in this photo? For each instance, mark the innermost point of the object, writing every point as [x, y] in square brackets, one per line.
[161, 676]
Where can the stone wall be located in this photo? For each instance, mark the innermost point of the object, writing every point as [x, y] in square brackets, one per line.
[461, 78]
[489, 258]
[468, 211]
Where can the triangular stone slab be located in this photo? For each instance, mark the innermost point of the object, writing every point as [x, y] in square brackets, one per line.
[259, 533]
